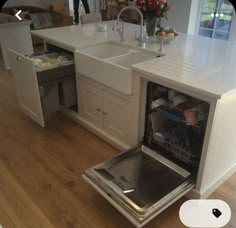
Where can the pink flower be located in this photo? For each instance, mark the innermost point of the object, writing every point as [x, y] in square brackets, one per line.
[169, 8]
[158, 13]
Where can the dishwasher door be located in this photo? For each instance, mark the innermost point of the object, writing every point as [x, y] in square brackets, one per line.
[140, 183]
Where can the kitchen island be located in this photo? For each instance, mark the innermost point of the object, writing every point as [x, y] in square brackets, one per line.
[191, 65]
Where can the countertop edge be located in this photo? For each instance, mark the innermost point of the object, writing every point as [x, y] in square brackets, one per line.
[155, 77]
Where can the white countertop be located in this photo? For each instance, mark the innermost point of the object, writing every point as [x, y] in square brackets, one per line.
[201, 64]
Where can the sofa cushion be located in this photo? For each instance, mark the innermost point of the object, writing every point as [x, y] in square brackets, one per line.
[41, 20]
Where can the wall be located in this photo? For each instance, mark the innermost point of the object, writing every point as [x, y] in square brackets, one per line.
[184, 15]
[38, 3]
[178, 17]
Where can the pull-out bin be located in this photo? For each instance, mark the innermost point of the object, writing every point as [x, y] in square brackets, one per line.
[49, 98]
[67, 92]
[43, 83]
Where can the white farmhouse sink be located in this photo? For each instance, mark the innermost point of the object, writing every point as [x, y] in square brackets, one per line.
[104, 51]
[131, 58]
[110, 64]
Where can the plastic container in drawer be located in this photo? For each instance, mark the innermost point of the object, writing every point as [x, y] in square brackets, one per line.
[42, 63]
[62, 58]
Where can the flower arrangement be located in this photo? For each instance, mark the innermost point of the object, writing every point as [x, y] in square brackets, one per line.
[153, 10]
[159, 8]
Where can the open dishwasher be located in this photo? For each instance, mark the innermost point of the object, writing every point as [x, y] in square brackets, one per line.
[144, 181]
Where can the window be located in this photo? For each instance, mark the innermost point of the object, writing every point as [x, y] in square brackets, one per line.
[216, 19]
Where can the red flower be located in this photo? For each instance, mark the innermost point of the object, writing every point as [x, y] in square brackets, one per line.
[139, 2]
[152, 6]
[158, 13]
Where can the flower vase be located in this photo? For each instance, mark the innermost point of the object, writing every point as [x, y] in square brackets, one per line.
[158, 23]
[151, 24]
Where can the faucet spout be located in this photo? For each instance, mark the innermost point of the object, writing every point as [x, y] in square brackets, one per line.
[141, 39]
[120, 31]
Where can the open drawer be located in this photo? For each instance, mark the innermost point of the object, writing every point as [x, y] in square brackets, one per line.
[41, 89]
[140, 183]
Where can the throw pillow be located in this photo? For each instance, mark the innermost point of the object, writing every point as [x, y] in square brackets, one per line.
[41, 20]
[60, 8]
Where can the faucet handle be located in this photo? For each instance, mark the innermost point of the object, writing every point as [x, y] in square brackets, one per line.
[113, 24]
[136, 35]
[122, 39]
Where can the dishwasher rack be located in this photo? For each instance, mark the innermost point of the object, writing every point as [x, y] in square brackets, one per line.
[167, 127]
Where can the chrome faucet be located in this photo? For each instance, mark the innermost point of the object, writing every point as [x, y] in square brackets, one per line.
[120, 31]
[141, 38]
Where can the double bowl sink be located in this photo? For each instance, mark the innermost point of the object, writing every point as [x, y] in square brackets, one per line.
[110, 64]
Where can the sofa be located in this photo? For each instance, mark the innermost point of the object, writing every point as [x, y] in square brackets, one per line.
[56, 19]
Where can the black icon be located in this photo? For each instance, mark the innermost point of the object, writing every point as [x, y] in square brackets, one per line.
[233, 3]
[216, 212]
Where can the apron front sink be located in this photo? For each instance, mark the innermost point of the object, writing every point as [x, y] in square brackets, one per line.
[110, 64]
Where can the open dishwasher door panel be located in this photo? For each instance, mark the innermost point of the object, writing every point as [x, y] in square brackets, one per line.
[140, 183]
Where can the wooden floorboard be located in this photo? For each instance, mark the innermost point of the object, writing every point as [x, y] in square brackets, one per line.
[40, 174]
[17, 209]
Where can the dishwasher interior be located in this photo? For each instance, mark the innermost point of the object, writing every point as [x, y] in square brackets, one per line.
[145, 180]
[175, 125]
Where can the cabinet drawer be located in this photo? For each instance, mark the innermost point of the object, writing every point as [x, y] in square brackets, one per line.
[39, 86]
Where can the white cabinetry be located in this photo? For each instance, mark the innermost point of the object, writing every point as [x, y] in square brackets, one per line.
[116, 116]
[90, 103]
[106, 111]
[26, 84]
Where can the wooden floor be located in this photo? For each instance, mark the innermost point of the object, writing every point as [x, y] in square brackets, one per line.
[40, 174]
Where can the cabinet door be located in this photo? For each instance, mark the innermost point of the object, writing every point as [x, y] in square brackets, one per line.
[90, 103]
[26, 84]
[116, 116]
